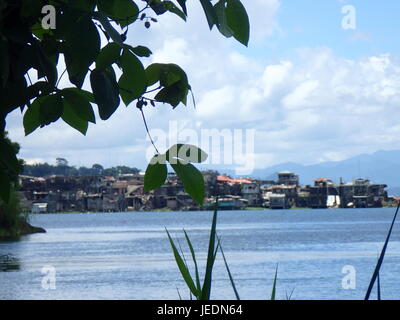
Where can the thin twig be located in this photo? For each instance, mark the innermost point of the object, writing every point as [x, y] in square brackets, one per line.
[146, 7]
[59, 79]
[147, 130]
[29, 78]
[152, 90]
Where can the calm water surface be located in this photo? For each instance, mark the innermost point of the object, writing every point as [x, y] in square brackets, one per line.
[127, 255]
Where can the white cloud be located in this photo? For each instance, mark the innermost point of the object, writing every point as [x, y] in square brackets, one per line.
[311, 107]
[274, 76]
[300, 96]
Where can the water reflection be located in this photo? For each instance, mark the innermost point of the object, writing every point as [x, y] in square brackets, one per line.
[9, 263]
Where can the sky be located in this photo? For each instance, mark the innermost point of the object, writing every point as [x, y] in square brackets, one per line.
[305, 90]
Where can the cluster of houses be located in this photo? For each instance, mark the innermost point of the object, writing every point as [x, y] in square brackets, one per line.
[125, 193]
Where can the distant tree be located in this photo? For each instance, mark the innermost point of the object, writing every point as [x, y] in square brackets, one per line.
[38, 170]
[9, 156]
[11, 219]
[61, 162]
[97, 169]
[127, 170]
[83, 171]
[45, 169]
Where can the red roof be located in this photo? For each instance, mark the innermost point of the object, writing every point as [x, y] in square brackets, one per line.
[230, 180]
[120, 184]
[321, 179]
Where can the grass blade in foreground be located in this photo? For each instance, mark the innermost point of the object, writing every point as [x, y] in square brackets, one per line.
[229, 271]
[194, 260]
[379, 287]
[273, 295]
[379, 264]
[205, 292]
[289, 297]
[182, 268]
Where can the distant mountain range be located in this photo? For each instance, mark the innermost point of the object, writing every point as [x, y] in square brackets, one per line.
[379, 167]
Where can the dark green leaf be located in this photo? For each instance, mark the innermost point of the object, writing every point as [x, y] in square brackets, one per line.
[167, 74]
[79, 103]
[89, 96]
[173, 79]
[156, 173]
[108, 55]
[186, 152]
[27, 59]
[157, 6]
[69, 116]
[17, 31]
[141, 51]
[47, 66]
[110, 30]
[133, 82]
[43, 87]
[153, 73]
[171, 7]
[238, 21]
[193, 181]
[4, 62]
[16, 94]
[173, 73]
[170, 95]
[31, 117]
[87, 5]
[105, 91]
[123, 12]
[40, 32]
[173, 94]
[210, 12]
[51, 109]
[182, 3]
[220, 10]
[81, 49]
[31, 8]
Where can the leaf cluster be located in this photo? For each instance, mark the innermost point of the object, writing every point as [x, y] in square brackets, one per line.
[27, 49]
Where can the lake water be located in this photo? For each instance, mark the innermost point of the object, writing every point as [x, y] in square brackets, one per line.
[128, 256]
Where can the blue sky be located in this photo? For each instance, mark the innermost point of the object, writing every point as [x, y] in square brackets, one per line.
[310, 90]
[318, 23]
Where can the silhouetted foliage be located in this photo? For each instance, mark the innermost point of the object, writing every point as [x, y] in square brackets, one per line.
[28, 47]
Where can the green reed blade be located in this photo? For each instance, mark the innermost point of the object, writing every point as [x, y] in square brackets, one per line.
[182, 267]
[194, 260]
[206, 290]
[229, 271]
[273, 295]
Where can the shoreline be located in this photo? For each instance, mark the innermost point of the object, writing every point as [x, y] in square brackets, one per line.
[25, 229]
[205, 210]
